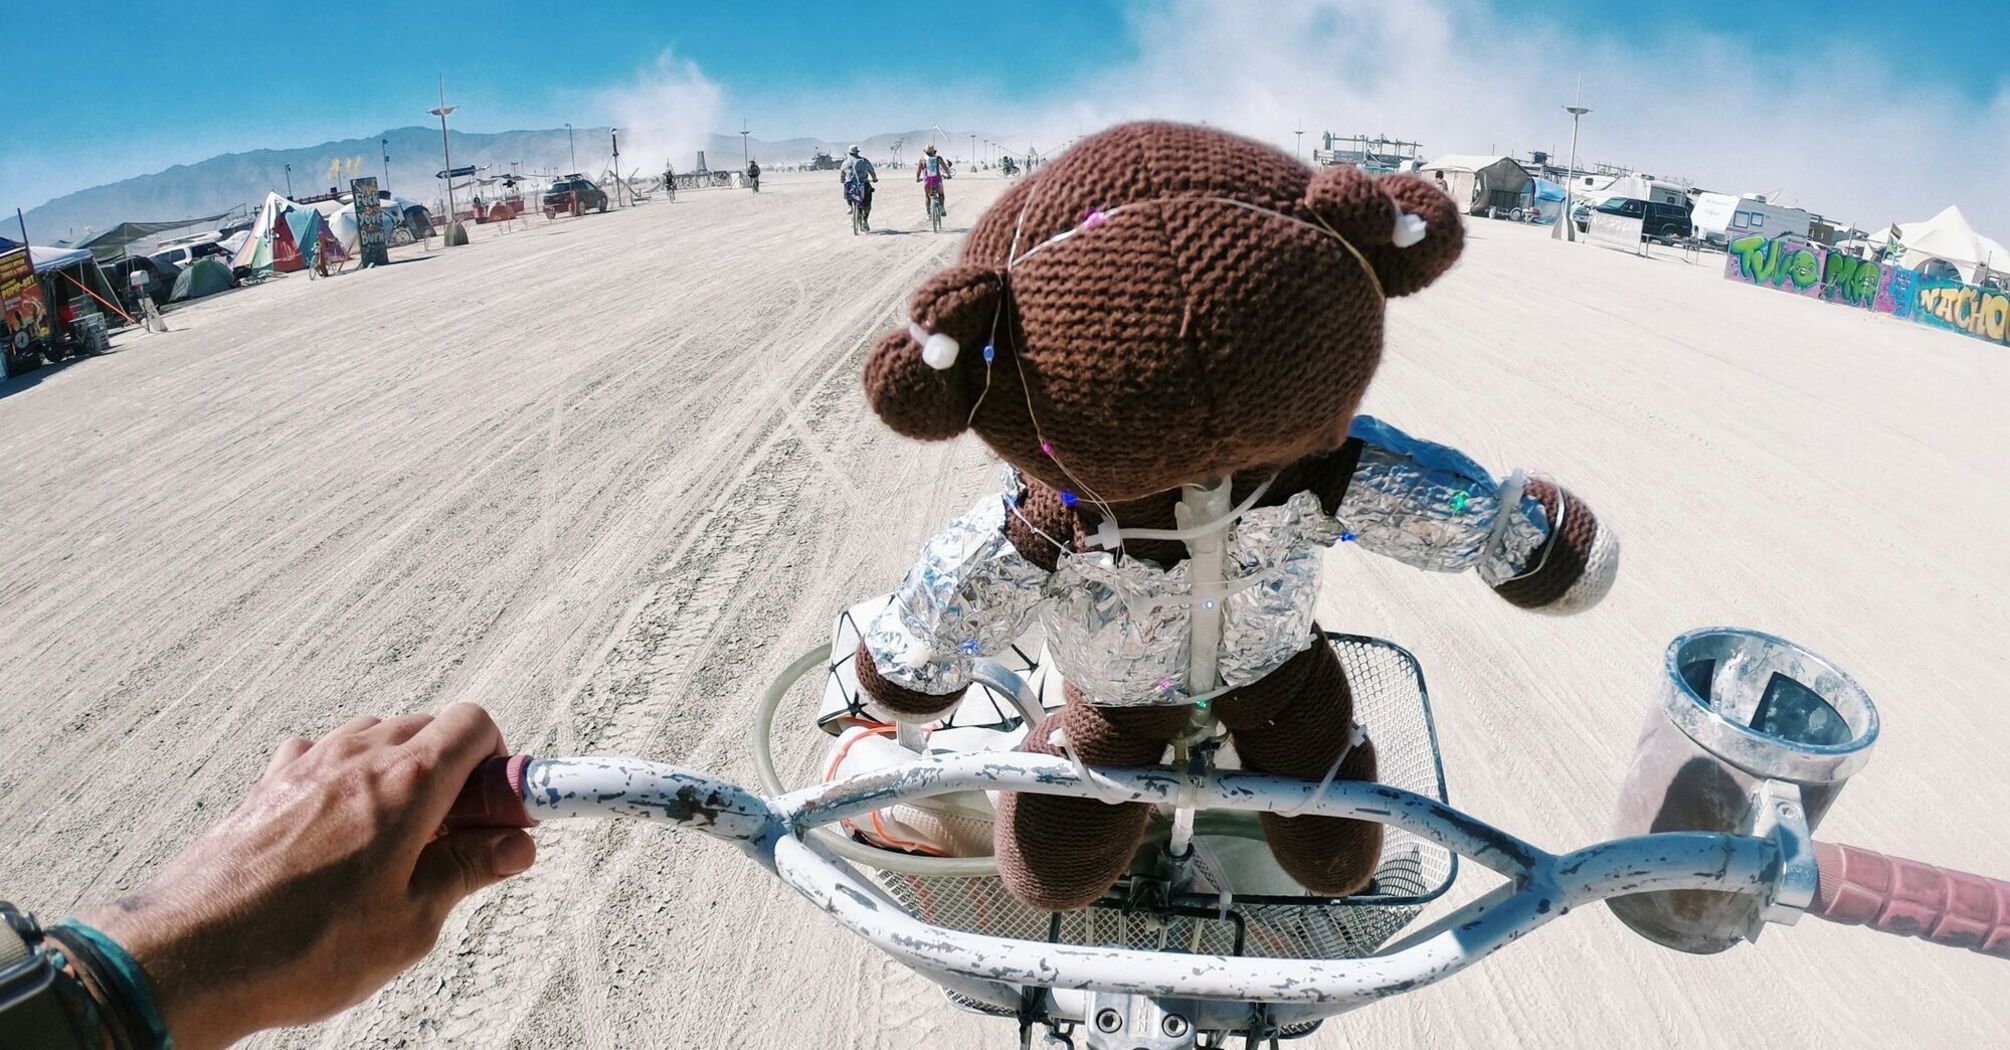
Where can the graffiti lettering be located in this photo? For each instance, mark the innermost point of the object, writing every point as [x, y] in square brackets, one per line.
[1980, 312]
[1793, 265]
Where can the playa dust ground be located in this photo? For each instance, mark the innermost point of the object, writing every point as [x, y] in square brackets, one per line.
[608, 475]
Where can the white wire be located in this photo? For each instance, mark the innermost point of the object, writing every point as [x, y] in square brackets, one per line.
[1359, 737]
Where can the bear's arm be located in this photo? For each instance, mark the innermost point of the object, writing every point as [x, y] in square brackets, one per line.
[1431, 506]
[969, 596]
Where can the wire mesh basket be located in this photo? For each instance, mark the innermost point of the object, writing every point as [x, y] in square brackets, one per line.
[1390, 700]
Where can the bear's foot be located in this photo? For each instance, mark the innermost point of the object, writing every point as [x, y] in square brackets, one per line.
[1329, 856]
[1060, 854]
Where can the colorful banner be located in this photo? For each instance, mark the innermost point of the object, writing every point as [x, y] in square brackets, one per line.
[1793, 265]
[24, 313]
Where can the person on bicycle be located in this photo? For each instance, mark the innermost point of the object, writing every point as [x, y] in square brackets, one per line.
[856, 174]
[754, 175]
[930, 171]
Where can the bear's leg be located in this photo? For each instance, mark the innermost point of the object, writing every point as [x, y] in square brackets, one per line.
[1059, 854]
[1292, 723]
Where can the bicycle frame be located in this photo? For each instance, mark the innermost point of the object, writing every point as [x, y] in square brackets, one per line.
[1225, 991]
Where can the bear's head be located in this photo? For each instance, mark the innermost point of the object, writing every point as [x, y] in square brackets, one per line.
[1163, 304]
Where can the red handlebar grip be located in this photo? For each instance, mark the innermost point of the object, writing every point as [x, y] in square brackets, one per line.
[493, 797]
[1859, 887]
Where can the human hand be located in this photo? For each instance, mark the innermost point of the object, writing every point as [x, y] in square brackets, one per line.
[331, 877]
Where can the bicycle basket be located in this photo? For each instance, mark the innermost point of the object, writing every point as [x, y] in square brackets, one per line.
[1391, 701]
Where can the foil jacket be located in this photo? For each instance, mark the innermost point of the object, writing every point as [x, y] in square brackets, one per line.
[1429, 506]
[970, 595]
[1121, 629]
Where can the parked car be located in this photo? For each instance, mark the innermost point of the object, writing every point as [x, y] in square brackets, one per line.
[1665, 223]
[559, 196]
[159, 280]
[181, 255]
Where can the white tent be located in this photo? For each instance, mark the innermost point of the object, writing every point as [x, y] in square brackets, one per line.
[1482, 182]
[1949, 238]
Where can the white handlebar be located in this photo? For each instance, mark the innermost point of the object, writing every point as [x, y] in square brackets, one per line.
[772, 830]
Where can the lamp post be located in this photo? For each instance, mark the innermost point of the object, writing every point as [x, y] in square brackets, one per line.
[289, 182]
[1569, 224]
[1298, 151]
[745, 156]
[614, 141]
[386, 144]
[446, 156]
[570, 148]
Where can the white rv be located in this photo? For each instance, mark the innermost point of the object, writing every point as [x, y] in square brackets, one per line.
[1721, 218]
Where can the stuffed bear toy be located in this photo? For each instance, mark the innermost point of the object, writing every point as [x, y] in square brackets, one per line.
[1165, 334]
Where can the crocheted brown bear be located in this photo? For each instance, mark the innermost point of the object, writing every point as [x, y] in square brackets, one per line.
[1161, 310]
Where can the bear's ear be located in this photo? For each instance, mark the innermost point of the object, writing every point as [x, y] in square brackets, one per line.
[918, 378]
[1406, 228]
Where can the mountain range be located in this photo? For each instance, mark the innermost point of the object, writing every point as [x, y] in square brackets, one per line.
[226, 181]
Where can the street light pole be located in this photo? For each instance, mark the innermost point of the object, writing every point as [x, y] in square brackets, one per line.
[386, 144]
[446, 155]
[745, 156]
[1570, 180]
[614, 139]
[1298, 151]
[289, 182]
[570, 148]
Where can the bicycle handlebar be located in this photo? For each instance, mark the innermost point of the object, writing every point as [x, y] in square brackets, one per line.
[493, 796]
[1859, 887]
[1856, 886]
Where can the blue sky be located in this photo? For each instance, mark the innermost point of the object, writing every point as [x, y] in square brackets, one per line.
[244, 76]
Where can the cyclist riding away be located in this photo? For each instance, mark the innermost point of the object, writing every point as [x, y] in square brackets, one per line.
[930, 171]
[857, 176]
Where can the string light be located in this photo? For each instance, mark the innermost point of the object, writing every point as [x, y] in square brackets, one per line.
[1346, 537]
[1047, 447]
[989, 353]
[1459, 499]
[969, 647]
[1069, 499]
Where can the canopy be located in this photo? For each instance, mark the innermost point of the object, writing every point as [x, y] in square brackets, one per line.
[1947, 237]
[77, 267]
[47, 259]
[112, 243]
[205, 276]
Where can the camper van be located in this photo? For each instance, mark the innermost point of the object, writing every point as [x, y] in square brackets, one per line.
[1721, 218]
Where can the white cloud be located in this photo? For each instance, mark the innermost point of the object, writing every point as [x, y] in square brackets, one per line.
[667, 110]
[1836, 130]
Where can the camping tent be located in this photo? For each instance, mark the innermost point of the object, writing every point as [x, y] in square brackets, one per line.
[1547, 202]
[1479, 183]
[1947, 238]
[205, 276]
[285, 237]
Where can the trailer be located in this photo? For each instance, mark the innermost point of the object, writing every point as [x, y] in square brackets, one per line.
[1721, 218]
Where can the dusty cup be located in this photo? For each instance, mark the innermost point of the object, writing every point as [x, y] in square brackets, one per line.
[1736, 707]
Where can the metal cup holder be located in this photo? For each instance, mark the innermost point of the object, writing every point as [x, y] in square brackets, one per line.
[1737, 708]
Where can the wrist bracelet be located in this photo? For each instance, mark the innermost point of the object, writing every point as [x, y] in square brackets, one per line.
[129, 995]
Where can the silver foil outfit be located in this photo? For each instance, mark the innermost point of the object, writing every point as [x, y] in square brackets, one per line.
[1120, 629]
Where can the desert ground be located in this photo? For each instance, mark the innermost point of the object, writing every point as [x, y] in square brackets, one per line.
[607, 476]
